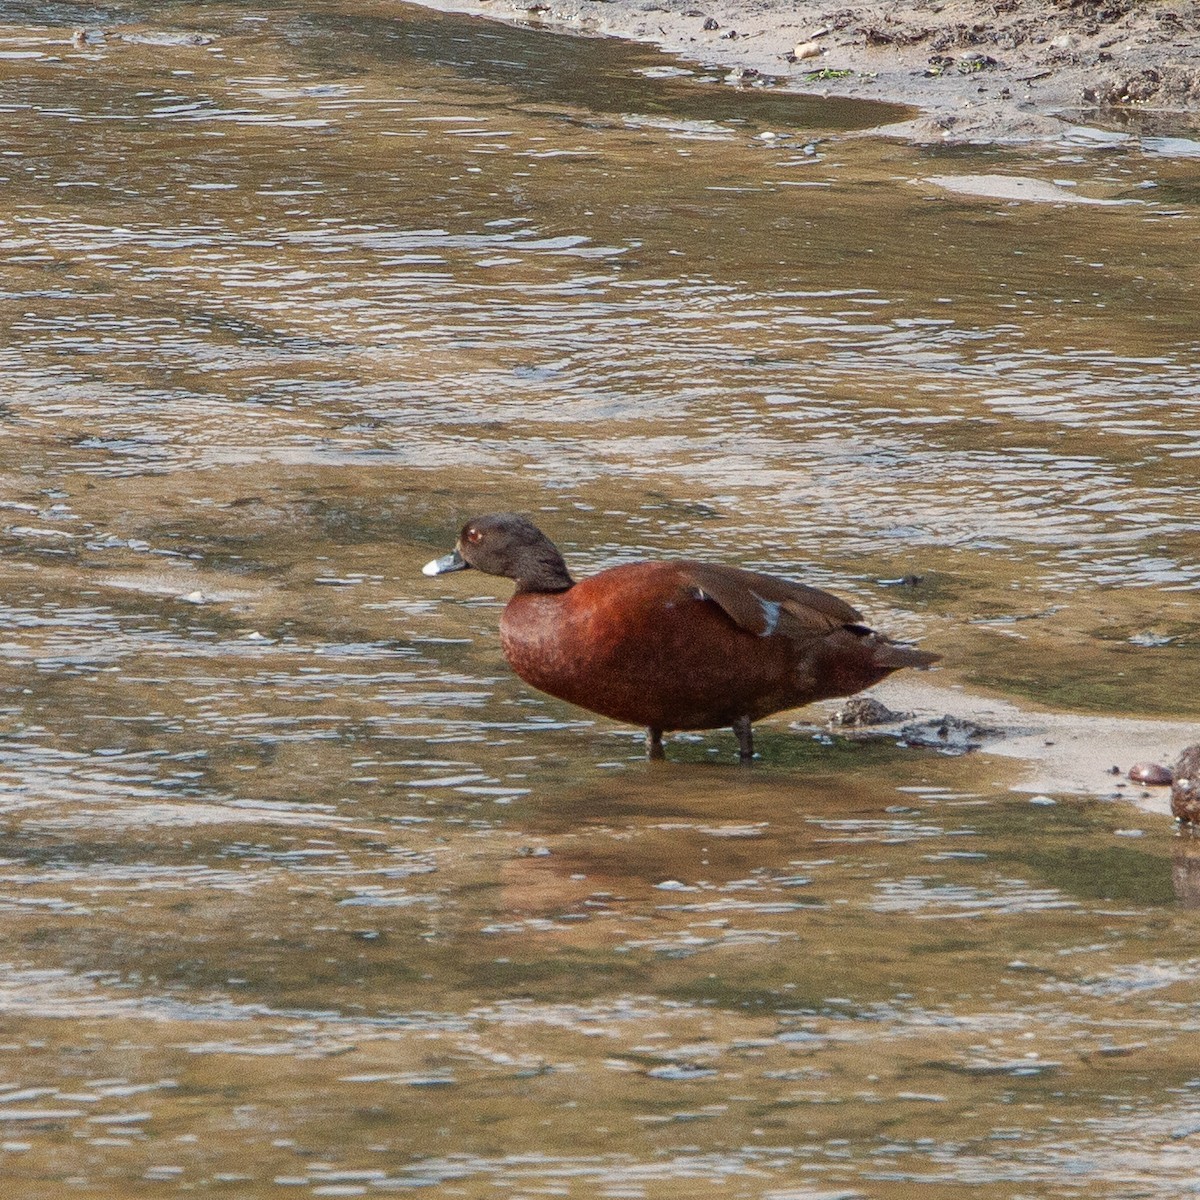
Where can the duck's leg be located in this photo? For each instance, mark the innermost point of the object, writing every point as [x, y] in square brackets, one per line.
[654, 746]
[745, 737]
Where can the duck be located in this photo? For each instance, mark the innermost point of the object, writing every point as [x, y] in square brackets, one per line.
[675, 644]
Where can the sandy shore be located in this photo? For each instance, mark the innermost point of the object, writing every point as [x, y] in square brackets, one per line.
[978, 70]
[1058, 753]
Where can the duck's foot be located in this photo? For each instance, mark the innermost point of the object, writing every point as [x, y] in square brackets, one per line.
[745, 737]
[654, 746]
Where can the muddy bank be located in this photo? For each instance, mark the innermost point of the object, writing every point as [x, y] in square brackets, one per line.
[978, 70]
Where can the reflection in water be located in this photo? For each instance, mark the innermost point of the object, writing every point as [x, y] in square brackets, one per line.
[1185, 868]
[301, 889]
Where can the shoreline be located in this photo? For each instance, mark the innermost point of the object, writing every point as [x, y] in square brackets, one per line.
[1009, 71]
[1057, 752]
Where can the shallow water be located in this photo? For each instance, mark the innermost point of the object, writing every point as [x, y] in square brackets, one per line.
[303, 893]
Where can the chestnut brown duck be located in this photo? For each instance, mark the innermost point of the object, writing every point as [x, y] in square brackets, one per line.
[672, 645]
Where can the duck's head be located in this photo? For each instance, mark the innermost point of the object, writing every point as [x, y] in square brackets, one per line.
[506, 544]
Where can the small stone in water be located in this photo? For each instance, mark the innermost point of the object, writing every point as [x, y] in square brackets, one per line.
[1043, 800]
[1154, 774]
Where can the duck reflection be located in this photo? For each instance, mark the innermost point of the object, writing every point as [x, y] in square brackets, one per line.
[1185, 867]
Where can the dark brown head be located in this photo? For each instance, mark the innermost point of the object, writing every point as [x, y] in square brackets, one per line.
[511, 545]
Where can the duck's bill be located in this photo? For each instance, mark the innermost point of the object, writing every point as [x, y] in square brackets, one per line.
[447, 563]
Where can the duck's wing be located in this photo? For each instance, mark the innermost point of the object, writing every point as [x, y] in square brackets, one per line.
[766, 604]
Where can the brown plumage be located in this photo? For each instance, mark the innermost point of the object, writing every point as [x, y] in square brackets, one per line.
[673, 645]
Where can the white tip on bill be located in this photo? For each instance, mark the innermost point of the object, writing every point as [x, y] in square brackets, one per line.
[431, 568]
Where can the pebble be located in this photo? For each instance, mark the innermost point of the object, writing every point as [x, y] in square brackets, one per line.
[806, 50]
[864, 710]
[1043, 800]
[1150, 773]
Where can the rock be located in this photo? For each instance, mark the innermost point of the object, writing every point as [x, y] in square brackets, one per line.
[82, 38]
[951, 735]
[862, 710]
[710, 24]
[976, 61]
[803, 50]
[1154, 774]
[1185, 789]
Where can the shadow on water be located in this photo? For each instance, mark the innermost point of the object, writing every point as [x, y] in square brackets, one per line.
[589, 74]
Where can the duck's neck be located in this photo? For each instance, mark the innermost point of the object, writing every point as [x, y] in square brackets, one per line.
[544, 572]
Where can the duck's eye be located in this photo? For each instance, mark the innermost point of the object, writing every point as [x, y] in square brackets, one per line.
[473, 535]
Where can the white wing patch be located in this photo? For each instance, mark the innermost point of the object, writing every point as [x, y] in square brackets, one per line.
[771, 610]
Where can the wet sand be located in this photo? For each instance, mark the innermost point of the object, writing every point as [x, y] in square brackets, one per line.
[1010, 71]
[1061, 753]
